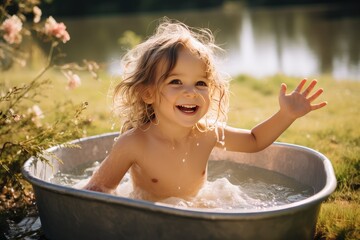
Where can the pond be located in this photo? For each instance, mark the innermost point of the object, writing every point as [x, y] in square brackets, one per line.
[296, 41]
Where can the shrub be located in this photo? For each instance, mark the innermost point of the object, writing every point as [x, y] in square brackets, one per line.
[25, 130]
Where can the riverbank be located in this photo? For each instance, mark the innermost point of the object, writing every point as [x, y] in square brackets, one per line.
[332, 131]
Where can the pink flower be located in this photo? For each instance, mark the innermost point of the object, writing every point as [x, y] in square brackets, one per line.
[58, 30]
[12, 27]
[74, 80]
[37, 115]
[16, 117]
[37, 111]
[37, 14]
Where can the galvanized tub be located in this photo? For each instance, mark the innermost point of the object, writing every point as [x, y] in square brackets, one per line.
[68, 213]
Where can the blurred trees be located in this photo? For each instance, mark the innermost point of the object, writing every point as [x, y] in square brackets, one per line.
[91, 7]
[98, 7]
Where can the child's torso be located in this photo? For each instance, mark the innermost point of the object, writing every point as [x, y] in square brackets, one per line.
[172, 170]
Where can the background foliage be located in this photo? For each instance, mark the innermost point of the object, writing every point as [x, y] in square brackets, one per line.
[25, 129]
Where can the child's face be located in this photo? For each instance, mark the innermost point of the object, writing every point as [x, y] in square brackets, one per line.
[184, 95]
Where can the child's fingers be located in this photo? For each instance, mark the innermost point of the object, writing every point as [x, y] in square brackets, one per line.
[283, 89]
[316, 95]
[319, 105]
[310, 87]
[301, 85]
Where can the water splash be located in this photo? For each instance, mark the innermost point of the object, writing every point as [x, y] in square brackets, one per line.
[229, 186]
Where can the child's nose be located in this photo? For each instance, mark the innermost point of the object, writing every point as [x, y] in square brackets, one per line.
[190, 92]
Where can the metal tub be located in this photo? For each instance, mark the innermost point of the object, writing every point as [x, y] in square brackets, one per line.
[68, 213]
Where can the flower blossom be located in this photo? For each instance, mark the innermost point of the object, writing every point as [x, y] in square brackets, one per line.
[16, 117]
[12, 27]
[58, 30]
[37, 115]
[37, 111]
[74, 80]
[37, 14]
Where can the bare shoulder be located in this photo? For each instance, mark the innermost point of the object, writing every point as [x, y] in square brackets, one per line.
[208, 134]
[122, 156]
[129, 141]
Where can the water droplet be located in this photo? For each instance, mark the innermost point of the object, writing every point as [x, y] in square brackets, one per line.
[197, 144]
[183, 160]
[179, 188]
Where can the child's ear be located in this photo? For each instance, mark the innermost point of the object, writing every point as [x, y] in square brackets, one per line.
[148, 97]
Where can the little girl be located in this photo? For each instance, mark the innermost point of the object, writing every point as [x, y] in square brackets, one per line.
[174, 105]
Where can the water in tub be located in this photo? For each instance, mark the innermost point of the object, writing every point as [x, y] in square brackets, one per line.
[229, 186]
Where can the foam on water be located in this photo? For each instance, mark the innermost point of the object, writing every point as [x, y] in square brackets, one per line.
[229, 186]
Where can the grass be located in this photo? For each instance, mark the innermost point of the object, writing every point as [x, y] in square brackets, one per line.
[332, 131]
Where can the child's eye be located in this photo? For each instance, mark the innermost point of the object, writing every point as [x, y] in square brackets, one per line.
[201, 84]
[175, 81]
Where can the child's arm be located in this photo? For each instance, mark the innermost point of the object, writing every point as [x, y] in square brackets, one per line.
[292, 106]
[113, 168]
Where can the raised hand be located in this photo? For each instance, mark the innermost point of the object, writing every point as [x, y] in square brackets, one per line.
[298, 102]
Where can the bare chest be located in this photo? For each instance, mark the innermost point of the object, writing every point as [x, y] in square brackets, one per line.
[167, 171]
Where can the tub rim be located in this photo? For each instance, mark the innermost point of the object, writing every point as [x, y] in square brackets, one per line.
[210, 214]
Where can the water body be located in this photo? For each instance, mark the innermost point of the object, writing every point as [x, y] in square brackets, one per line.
[297, 41]
[229, 186]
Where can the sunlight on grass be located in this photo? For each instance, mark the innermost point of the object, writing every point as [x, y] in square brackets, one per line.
[94, 92]
[339, 220]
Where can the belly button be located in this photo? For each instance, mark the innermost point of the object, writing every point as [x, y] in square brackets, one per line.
[154, 180]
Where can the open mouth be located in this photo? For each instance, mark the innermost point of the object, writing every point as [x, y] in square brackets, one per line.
[188, 108]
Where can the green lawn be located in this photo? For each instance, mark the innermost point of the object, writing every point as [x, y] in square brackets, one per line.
[332, 130]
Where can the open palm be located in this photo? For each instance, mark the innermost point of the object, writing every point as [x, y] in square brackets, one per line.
[298, 102]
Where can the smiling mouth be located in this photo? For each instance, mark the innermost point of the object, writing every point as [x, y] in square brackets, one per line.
[188, 108]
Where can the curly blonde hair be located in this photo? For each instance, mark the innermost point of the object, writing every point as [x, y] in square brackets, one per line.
[139, 66]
